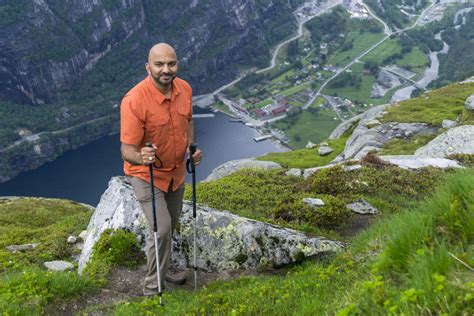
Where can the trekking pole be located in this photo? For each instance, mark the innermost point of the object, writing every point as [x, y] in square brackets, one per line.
[155, 230]
[191, 167]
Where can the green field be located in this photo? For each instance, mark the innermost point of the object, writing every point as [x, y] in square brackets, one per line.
[415, 61]
[384, 50]
[295, 89]
[352, 93]
[319, 100]
[263, 103]
[360, 43]
[306, 126]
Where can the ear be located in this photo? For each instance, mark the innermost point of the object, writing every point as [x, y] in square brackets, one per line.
[147, 67]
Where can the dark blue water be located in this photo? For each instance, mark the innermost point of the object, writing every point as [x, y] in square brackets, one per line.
[83, 174]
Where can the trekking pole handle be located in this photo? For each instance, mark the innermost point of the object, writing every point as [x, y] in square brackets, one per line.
[190, 166]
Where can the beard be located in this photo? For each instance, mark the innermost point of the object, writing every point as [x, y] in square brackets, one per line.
[164, 82]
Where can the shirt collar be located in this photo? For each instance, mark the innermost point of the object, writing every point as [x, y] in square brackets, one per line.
[160, 97]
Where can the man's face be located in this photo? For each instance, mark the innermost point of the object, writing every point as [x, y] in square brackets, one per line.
[162, 66]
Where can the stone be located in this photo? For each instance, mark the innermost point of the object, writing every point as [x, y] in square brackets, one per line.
[313, 202]
[24, 247]
[310, 145]
[294, 172]
[71, 239]
[224, 241]
[456, 140]
[351, 168]
[449, 124]
[325, 150]
[469, 105]
[236, 165]
[361, 206]
[83, 235]
[344, 127]
[372, 123]
[324, 144]
[59, 265]
[417, 162]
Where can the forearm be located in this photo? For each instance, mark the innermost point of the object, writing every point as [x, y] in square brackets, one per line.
[131, 154]
[190, 132]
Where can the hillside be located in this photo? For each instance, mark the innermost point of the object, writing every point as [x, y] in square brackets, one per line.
[414, 256]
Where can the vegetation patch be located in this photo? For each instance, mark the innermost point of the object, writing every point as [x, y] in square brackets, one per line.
[114, 248]
[398, 146]
[434, 106]
[414, 262]
[25, 286]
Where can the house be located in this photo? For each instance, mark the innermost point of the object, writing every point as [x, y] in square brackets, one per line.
[280, 110]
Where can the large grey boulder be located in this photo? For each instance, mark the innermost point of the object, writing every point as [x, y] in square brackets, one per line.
[457, 140]
[366, 137]
[470, 102]
[223, 240]
[361, 206]
[23, 247]
[449, 124]
[417, 162]
[325, 150]
[236, 165]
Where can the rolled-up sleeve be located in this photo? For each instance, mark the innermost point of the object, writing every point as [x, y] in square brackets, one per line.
[132, 128]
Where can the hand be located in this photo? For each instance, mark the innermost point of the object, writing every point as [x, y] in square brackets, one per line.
[197, 156]
[147, 155]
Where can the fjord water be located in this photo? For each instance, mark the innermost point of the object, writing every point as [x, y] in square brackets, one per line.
[82, 175]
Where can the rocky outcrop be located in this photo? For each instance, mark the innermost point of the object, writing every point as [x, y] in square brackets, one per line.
[344, 127]
[417, 162]
[457, 140]
[361, 206]
[58, 265]
[235, 165]
[368, 136]
[224, 241]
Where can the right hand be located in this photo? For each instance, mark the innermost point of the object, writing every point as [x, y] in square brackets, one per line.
[148, 155]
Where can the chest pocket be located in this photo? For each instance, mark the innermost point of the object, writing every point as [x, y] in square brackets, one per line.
[156, 128]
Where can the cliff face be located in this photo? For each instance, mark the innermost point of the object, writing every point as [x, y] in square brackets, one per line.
[47, 46]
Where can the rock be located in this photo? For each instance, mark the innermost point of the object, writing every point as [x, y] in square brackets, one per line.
[294, 172]
[314, 202]
[83, 235]
[351, 168]
[223, 240]
[71, 239]
[469, 105]
[236, 165]
[344, 127]
[118, 208]
[362, 207]
[449, 124]
[457, 140]
[325, 150]
[372, 123]
[417, 162]
[58, 265]
[324, 144]
[24, 247]
[310, 145]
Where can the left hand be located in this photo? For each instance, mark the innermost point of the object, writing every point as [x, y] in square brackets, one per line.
[197, 156]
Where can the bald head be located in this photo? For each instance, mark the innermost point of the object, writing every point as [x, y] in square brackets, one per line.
[162, 66]
[160, 49]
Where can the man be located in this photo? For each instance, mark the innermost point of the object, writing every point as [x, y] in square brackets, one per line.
[158, 110]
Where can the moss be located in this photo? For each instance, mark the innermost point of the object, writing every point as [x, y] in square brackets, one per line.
[114, 248]
[466, 160]
[405, 146]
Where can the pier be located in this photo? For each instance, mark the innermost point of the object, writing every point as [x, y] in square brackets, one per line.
[259, 139]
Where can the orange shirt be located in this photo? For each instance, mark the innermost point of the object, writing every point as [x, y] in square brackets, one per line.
[147, 116]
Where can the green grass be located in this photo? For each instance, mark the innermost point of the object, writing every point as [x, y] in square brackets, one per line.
[434, 106]
[415, 61]
[405, 146]
[402, 265]
[360, 43]
[317, 102]
[263, 103]
[290, 73]
[361, 94]
[223, 108]
[306, 126]
[295, 89]
[384, 50]
[306, 158]
[25, 287]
